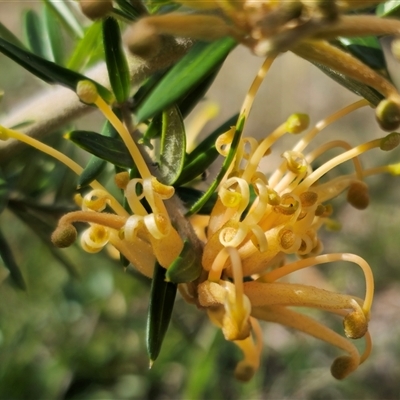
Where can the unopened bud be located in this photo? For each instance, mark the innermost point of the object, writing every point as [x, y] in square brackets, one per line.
[96, 9]
[87, 91]
[297, 123]
[390, 141]
[64, 236]
[143, 39]
[122, 179]
[342, 367]
[244, 371]
[358, 196]
[388, 114]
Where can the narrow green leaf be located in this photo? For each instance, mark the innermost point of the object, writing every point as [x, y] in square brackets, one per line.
[85, 47]
[66, 17]
[10, 37]
[192, 68]
[197, 92]
[154, 130]
[367, 49]
[95, 165]
[47, 70]
[190, 196]
[354, 86]
[52, 36]
[186, 268]
[34, 34]
[93, 169]
[390, 8]
[204, 154]
[173, 146]
[4, 191]
[162, 299]
[133, 10]
[38, 222]
[117, 65]
[225, 165]
[10, 264]
[110, 149]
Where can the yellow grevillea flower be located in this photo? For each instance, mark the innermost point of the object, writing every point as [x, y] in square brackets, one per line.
[256, 222]
[252, 240]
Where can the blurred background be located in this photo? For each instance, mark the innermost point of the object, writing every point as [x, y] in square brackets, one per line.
[78, 332]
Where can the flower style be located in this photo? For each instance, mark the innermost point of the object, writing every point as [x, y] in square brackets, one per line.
[256, 222]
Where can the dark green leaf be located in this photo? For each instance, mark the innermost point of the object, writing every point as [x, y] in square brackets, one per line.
[95, 165]
[389, 9]
[356, 87]
[9, 36]
[153, 131]
[38, 222]
[147, 87]
[187, 73]
[186, 268]
[173, 146]
[85, 47]
[196, 93]
[10, 264]
[162, 298]
[226, 164]
[117, 66]
[133, 10]
[110, 149]
[66, 17]
[93, 169]
[190, 196]
[47, 70]
[204, 154]
[4, 191]
[367, 49]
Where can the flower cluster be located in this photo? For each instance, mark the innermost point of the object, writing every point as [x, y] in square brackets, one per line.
[256, 222]
[272, 27]
[263, 226]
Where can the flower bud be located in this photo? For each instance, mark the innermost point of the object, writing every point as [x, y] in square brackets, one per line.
[244, 371]
[388, 114]
[96, 9]
[342, 367]
[358, 196]
[297, 123]
[64, 236]
[390, 141]
[122, 179]
[87, 91]
[143, 40]
[4, 133]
